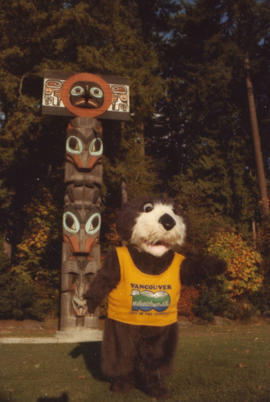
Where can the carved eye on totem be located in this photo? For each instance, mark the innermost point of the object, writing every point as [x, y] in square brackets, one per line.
[87, 95]
[93, 224]
[74, 145]
[71, 222]
[96, 147]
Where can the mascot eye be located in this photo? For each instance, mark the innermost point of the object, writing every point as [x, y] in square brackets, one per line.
[71, 223]
[148, 207]
[77, 91]
[74, 145]
[93, 224]
[97, 92]
[96, 147]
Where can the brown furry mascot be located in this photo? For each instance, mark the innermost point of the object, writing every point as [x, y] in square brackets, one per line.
[143, 282]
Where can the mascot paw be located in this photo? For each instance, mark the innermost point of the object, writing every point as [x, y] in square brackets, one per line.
[214, 265]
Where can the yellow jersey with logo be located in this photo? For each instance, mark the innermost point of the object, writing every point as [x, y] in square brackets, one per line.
[143, 299]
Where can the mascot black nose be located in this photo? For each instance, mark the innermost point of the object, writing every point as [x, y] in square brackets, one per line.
[167, 221]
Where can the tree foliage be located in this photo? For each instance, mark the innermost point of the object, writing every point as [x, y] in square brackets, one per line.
[204, 124]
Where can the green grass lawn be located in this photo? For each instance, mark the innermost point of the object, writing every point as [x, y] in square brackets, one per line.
[221, 364]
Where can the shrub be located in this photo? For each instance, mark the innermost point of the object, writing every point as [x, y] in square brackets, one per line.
[214, 300]
[20, 297]
[242, 276]
[37, 259]
[231, 294]
[189, 294]
[41, 231]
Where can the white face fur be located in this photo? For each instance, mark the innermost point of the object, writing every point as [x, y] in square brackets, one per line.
[158, 229]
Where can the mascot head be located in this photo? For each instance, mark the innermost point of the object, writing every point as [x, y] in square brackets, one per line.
[153, 225]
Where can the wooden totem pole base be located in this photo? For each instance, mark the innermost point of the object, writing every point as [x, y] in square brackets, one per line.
[78, 335]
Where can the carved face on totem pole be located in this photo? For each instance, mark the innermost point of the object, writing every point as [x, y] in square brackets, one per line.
[76, 280]
[81, 230]
[86, 95]
[83, 149]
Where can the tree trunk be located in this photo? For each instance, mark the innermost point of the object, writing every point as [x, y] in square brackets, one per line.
[257, 141]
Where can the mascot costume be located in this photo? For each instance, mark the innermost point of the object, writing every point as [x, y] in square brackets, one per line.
[143, 283]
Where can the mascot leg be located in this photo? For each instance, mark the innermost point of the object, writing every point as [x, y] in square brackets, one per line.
[118, 355]
[155, 355]
[138, 356]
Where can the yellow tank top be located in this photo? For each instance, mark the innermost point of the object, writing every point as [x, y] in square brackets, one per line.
[143, 299]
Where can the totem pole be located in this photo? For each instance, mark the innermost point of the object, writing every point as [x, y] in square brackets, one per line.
[85, 96]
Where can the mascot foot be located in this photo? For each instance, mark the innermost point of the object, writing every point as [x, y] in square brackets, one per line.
[158, 391]
[122, 385]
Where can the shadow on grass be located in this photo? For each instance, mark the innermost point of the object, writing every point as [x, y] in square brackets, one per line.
[4, 398]
[91, 352]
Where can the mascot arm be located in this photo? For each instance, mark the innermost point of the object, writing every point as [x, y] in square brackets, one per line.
[105, 280]
[195, 269]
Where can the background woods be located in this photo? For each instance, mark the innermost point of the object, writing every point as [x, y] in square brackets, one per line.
[189, 135]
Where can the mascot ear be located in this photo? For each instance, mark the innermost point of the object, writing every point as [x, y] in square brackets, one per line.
[127, 217]
[125, 221]
[123, 228]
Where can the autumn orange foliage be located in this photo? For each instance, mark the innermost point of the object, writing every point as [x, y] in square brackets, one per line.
[189, 295]
[243, 274]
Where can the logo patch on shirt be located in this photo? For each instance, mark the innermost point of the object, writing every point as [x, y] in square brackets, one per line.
[146, 300]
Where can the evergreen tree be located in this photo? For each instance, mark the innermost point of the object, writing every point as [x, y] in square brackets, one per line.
[204, 125]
